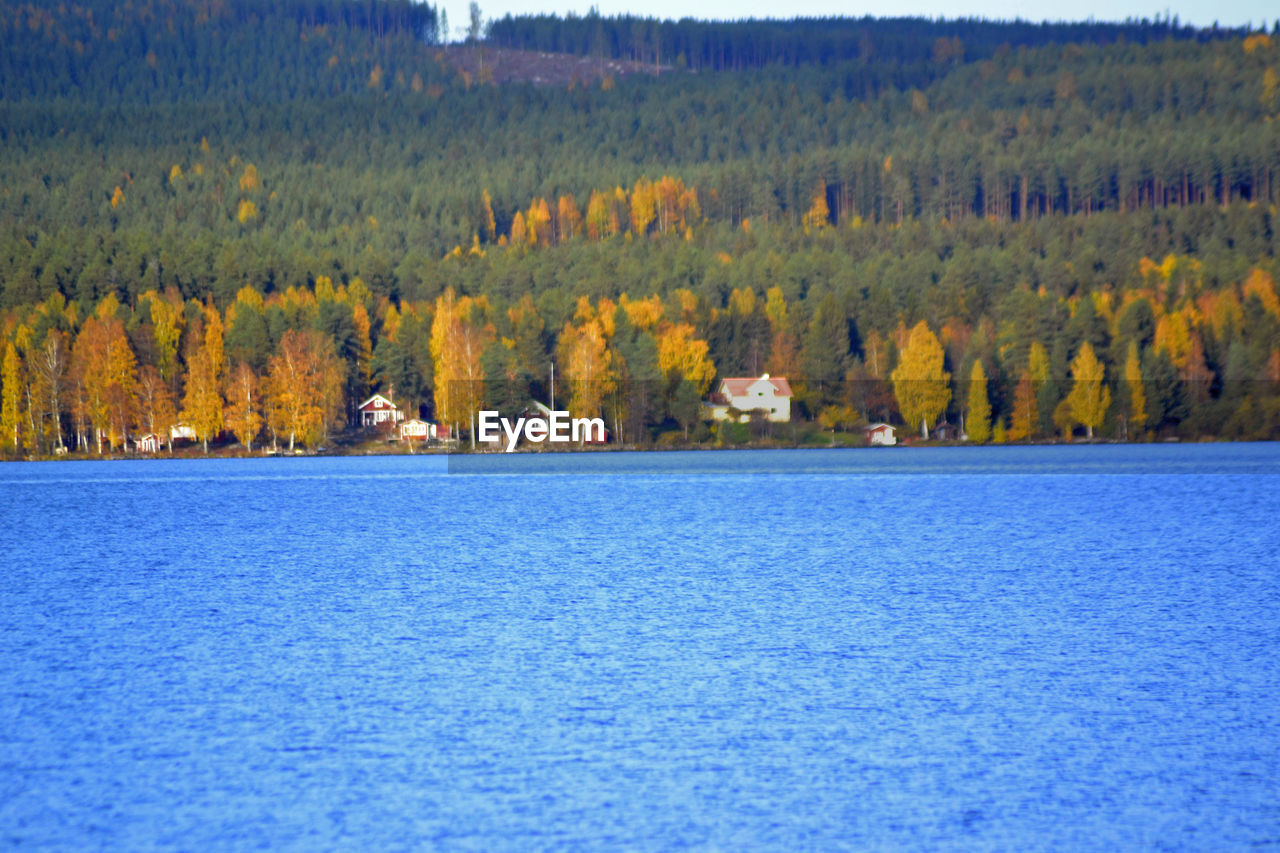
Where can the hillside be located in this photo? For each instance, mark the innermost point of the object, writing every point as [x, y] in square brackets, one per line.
[798, 194]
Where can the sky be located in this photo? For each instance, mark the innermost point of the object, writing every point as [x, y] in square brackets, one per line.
[1197, 12]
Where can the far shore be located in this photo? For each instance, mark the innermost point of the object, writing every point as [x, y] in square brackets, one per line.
[382, 449]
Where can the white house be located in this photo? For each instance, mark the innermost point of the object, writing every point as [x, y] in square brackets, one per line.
[379, 410]
[881, 434]
[180, 432]
[770, 393]
[416, 429]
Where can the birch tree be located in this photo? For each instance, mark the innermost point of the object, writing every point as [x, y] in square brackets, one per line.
[1089, 398]
[920, 383]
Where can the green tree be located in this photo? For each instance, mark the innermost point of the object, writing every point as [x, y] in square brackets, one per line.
[825, 357]
[686, 405]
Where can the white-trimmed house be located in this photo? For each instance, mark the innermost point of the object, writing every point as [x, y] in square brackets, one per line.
[149, 443]
[182, 432]
[416, 429]
[379, 410]
[746, 394]
[882, 435]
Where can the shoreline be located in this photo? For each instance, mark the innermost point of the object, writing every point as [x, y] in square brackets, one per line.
[359, 451]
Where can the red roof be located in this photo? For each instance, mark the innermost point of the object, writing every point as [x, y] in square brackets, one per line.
[738, 386]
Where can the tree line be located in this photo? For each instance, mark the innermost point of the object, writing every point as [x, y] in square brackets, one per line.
[1168, 358]
[718, 45]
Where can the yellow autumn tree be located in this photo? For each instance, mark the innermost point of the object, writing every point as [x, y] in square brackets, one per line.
[48, 377]
[1173, 337]
[602, 215]
[568, 218]
[875, 350]
[644, 314]
[202, 401]
[249, 178]
[1137, 390]
[11, 384]
[486, 204]
[682, 354]
[538, 223]
[244, 405]
[1026, 413]
[121, 389]
[1261, 285]
[1038, 362]
[673, 204]
[304, 385]
[742, 301]
[167, 321]
[643, 206]
[1089, 398]
[819, 214]
[213, 334]
[89, 370]
[364, 344]
[588, 366]
[920, 382]
[157, 410]
[457, 344]
[978, 424]
[1270, 97]
[784, 346]
[519, 231]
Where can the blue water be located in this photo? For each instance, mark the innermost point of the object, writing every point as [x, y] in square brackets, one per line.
[972, 649]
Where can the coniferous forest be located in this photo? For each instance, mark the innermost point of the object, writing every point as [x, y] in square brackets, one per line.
[249, 217]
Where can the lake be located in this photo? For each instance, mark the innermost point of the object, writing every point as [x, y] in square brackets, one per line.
[1039, 648]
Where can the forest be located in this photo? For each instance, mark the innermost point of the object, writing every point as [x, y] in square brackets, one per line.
[248, 218]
